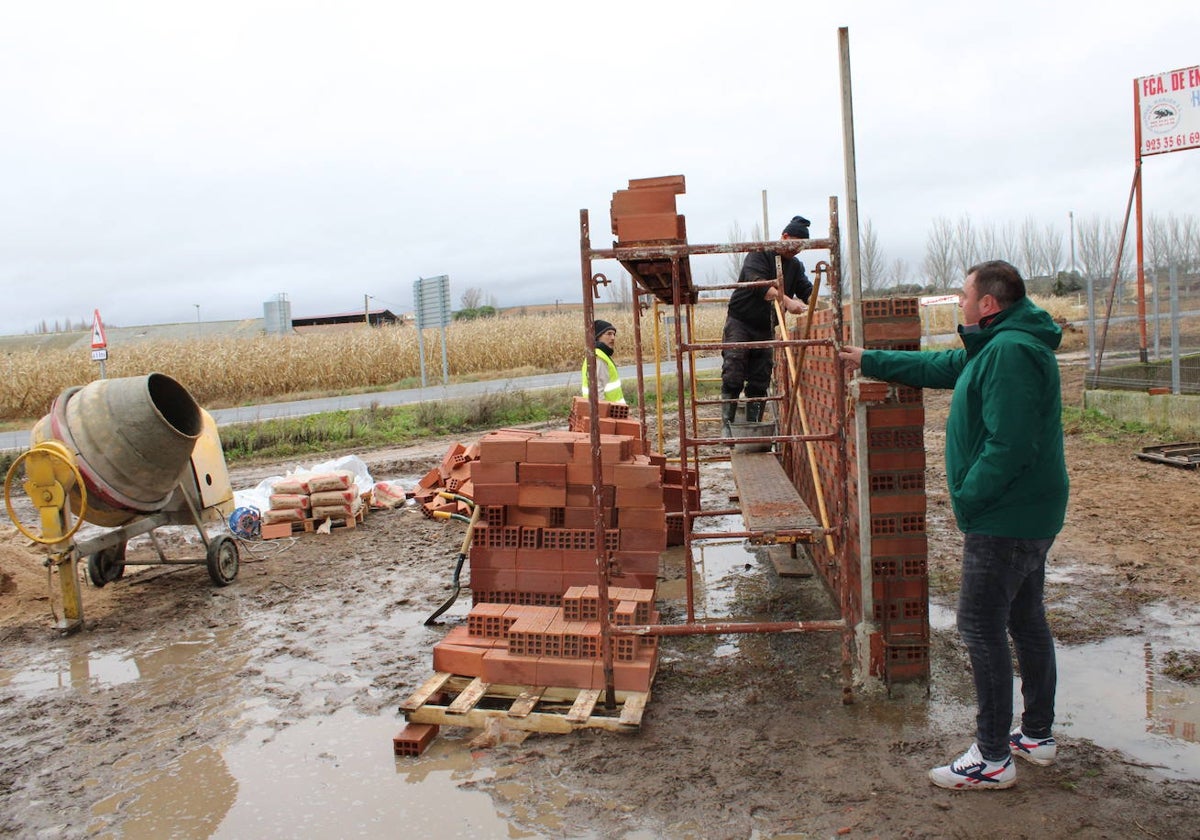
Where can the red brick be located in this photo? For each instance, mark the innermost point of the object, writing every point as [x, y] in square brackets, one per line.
[903, 460]
[891, 330]
[539, 560]
[275, 530]
[634, 202]
[672, 497]
[501, 446]
[675, 182]
[900, 546]
[639, 497]
[494, 472]
[458, 659]
[895, 415]
[637, 539]
[898, 503]
[633, 676]
[550, 450]
[542, 495]
[414, 738]
[492, 559]
[580, 473]
[580, 495]
[580, 561]
[550, 582]
[629, 427]
[529, 516]
[497, 494]
[645, 518]
[530, 472]
[494, 580]
[637, 562]
[566, 673]
[636, 475]
[584, 517]
[502, 667]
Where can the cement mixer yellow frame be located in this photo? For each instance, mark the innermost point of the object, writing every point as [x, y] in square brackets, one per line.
[55, 484]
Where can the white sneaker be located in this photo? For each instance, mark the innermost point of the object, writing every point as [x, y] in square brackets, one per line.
[971, 771]
[1041, 752]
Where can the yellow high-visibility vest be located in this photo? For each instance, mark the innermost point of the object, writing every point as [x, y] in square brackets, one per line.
[612, 389]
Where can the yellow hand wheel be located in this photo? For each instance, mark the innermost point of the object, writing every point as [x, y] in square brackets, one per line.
[51, 472]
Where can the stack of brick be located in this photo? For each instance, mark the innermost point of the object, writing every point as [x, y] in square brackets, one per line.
[554, 646]
[536, 536]
[645, 215]
[453, 475]
[613, 418]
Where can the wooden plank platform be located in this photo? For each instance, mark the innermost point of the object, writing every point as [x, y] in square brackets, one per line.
[767, 497]
[453, 700]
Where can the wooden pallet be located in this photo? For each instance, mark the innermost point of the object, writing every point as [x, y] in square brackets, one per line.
[450, 700]
[275, 530]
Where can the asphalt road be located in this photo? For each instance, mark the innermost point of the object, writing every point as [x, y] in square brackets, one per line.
[410, 396]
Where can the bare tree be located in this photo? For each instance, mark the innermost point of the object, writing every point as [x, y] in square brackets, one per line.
[471, 298]
[1051, 250]
[1028, 248]
[871, 263]
[939, 254]
[1008, 242]
[989, 243]
[898, 273]
[620, 292]
[966, 244]
[736, 234]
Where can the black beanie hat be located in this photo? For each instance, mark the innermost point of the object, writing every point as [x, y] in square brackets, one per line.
[599, 328]
[797, 228]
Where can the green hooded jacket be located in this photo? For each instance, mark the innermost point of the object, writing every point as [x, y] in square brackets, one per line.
[1004, 439]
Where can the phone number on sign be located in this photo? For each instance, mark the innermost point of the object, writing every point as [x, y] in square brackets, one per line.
[1174, 141]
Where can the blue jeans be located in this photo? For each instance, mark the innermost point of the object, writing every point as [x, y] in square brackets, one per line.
[1002, 585]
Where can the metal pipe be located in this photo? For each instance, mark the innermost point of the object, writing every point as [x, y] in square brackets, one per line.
[722, 628]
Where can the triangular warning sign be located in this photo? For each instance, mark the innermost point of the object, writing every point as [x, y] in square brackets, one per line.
[98, 340]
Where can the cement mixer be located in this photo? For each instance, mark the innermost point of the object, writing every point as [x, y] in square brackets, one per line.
[129, 455]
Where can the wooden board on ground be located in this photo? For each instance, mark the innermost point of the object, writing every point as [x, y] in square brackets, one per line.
[452, 700]
[787, 565]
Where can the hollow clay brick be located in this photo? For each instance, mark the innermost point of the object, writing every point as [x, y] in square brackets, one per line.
[494, 472]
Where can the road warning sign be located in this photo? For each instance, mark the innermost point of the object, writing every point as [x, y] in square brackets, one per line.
[99, 342]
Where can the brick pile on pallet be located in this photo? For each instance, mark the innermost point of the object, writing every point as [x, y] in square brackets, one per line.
[300, 501]
[514, 644]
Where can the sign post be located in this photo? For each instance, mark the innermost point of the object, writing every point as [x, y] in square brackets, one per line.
[431, 304]
[99, 342]
[1166, 109]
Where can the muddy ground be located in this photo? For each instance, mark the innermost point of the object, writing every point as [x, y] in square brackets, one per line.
[266, 708]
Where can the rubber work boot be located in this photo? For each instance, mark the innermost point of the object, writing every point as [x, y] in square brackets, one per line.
[728, 412]
[754, 411]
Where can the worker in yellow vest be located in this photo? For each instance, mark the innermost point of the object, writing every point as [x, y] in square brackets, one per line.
[607, 378]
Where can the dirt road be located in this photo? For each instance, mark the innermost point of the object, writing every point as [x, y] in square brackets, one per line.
[266, 708]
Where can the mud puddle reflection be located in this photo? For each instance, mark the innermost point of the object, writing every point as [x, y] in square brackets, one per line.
[1113, 693]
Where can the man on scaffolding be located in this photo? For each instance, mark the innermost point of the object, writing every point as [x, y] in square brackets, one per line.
[751, 317]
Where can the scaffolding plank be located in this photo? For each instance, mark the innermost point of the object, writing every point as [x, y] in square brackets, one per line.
[768, 499]
[431, 687]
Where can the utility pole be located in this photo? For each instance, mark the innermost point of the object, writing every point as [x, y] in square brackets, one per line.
[367, 310]
[197, 319]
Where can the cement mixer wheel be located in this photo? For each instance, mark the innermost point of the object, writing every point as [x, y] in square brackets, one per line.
[107, 565]
[222, 559]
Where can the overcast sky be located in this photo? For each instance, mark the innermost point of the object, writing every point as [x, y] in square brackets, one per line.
[158, 155]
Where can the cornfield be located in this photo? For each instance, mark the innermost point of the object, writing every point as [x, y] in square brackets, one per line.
[223, 372]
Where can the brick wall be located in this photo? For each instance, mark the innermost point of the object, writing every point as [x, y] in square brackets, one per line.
[893, 489]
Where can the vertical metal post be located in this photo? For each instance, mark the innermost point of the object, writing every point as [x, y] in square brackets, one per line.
[766, 231]
[589, 315]
[1141, 269]
[1154, 278]
[1173, 274]
[856, 335]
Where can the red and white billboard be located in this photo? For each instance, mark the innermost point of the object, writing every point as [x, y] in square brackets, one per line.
[1168, 111]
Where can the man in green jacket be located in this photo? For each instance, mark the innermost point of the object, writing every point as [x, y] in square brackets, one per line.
[1008, 487]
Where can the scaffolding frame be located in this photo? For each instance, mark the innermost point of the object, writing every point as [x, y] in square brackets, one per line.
[681, 297]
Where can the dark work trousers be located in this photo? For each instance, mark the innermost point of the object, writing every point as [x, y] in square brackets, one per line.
[1002, 586]
[744, 367]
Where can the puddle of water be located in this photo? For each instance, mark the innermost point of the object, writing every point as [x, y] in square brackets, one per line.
[336, 776]
[1110, 692]
[88, 671]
